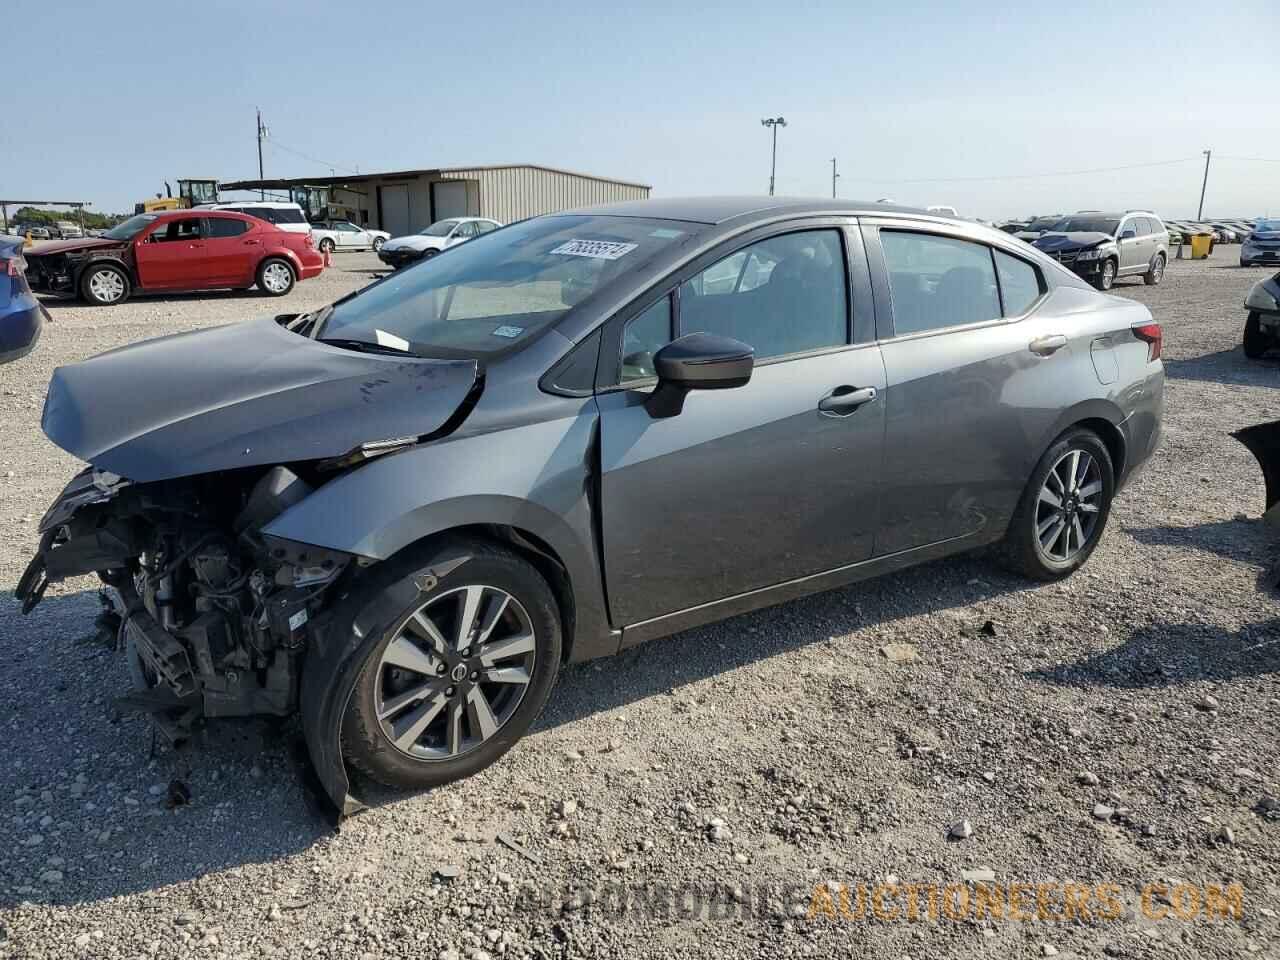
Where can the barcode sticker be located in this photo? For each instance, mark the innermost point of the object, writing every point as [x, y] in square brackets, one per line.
[595, 249]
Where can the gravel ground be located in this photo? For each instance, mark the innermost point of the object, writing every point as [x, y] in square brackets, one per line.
[1116, 728]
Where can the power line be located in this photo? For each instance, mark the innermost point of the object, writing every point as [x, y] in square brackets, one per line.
[1033, 176]
[1251, 159]
[304, 156]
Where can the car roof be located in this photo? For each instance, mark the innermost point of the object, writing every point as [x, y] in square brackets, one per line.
[715, 210]
[202, 212]
[277, 204]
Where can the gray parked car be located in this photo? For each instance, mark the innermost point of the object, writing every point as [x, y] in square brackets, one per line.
[399, 515]
[1103, 246]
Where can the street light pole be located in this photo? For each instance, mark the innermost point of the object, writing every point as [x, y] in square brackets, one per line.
[834, 177]
[1205, 184]
[773, 123]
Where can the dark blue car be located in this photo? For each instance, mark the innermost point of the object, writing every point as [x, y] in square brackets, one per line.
[21, 315]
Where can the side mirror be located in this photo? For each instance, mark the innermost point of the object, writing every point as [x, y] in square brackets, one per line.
[1128, 235]
[698, 361]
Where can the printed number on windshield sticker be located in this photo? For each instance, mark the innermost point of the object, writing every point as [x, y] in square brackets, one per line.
[595, 249]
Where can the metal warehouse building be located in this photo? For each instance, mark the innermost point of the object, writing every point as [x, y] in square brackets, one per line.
[408, 200]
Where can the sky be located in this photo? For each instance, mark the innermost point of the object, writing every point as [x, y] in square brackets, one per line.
[979, 100]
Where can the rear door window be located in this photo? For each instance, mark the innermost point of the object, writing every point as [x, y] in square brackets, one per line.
[937, 282]
[1019, 284]
[222, 227]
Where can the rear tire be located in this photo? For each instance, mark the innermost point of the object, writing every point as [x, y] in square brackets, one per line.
[1079, 517]
[326, 245]
[276, 277]
[490, 717]
[105, 285]
[1256, 343]
[1155, 273]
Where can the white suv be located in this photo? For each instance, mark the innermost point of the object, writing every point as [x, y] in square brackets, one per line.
[286, 216]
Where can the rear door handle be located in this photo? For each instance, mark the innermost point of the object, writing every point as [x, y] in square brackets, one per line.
[844, 400]
[1047, 345]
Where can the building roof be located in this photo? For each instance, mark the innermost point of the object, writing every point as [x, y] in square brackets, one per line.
[713, 210]
[285, 183]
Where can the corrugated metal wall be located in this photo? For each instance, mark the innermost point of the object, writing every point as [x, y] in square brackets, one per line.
[513, 193]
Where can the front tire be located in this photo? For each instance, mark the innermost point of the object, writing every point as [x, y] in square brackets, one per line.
[1155, 273]
[377, 243]
[275, 277]
[428, 254]
[1064, 508]
[105, 285]
[460, 676]
[1106, 275]
[1256, 343]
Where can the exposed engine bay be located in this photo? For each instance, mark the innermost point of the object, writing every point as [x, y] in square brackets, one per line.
[213, 615]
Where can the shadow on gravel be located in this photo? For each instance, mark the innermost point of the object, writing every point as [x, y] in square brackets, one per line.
[125, 814]
[1227, 366]
[1175, 653]
[1251, 540]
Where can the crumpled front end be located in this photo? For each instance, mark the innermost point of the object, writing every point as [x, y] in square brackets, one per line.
[215, 617]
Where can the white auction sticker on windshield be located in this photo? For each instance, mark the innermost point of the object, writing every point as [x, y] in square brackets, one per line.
[390, 340]
[595, 249]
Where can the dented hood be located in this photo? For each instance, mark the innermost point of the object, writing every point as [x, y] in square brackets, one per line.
[243, 395]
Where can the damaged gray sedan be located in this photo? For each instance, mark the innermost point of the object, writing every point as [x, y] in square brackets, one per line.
[399, 515]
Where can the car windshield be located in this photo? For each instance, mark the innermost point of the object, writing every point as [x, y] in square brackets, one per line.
[441, 228]
[1268, 225]
[1086, 225]
[130, 228]
[1043, 223]
[483, 296]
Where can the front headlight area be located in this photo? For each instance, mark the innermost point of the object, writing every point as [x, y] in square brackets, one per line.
[1260, 298]
[1093, 254]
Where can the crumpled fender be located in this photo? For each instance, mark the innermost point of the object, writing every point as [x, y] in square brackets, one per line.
[339, 645]
[1263, 441]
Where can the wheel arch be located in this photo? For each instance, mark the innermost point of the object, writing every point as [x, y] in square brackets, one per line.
[1103, 418]
[284, 254]
[129, 273]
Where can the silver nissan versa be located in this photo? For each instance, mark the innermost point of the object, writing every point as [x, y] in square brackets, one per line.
[399, 515]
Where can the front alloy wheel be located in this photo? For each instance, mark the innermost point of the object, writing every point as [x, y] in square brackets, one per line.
[455, 672]
[461, 671]
[1107, 275]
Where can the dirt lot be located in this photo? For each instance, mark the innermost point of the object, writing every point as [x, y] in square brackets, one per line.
[1118, 728]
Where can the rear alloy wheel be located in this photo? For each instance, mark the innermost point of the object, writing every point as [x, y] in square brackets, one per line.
[1106, 275]
[104, 285]
[326, 245]
[459, 677]
[1063, 509]
[1256, 343]
[1156, 272]
[275, 277]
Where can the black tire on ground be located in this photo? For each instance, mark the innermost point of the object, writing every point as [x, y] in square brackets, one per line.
[364, 743]
[1020, 550]
[272, 280]
[377, 244]
[1155, 273]
[100, 282]
[1106, 275]
[428, 254]
[326, 245]
[1256, 343]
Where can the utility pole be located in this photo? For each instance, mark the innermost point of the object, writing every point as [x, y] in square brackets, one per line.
[773, 123]
[834, 177]
[262, 133]
[1205, 184]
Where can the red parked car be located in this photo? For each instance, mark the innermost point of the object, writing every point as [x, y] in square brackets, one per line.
[175, 250]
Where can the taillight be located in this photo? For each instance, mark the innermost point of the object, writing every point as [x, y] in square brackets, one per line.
[16, 267]
[309, 242]
[1153, 337]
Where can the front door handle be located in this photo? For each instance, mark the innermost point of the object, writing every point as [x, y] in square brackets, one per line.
[252, 243]
[1047, 345]
[844, 400]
